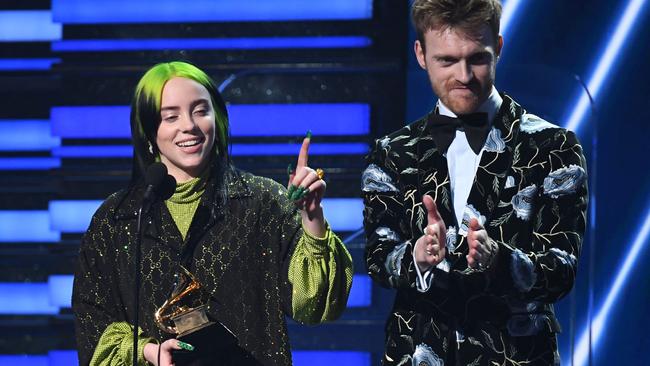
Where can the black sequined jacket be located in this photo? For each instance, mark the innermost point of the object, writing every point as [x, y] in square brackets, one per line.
[530, 193]
[241, 257]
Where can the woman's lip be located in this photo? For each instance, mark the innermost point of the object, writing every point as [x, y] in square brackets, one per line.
[199, 139]
[192, 149]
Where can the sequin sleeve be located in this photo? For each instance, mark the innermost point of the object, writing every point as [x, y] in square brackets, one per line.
[92, 296]
[115, 347]
[320, 272]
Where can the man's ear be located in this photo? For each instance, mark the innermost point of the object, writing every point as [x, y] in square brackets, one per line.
[419, 54]
[499, 45]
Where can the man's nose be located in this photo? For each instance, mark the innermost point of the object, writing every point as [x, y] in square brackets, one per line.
[465, 74]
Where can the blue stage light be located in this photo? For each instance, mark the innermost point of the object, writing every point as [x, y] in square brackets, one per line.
[63, 358]
[510, 8]
[26, 299]
[29, 163]
[172, 11]
[606, 62]
[86, 122]
[26, 226]
[590, 337]
[328, 358]
[27, 135]
[112, 45]
[27, 64]
[53, 358]
[28, 26]
[86, 152]
[323, 119]
[72, 216]
[60, 290]
[360, 292]
[24, 360]
[344, 214]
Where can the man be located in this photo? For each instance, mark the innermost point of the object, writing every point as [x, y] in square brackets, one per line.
[475, 213]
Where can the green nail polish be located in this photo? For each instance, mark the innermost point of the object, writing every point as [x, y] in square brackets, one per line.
[292, 188]
[185, 346]
[289, 169]
[309, 134]
[302, 194]
[297, 194]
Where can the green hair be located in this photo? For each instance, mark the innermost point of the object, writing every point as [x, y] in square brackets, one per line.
[145, 112]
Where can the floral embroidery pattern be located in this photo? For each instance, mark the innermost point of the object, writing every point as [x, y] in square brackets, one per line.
[451, 238]
[374, 179]
[523, 271]
[469, 214]
[394, 263]
[530, 123]
[424, 356]
[494, 142]
[564, 257]
[564, 181]
[522, 202]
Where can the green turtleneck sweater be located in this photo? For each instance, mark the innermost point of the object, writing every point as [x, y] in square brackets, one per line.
[183, 203]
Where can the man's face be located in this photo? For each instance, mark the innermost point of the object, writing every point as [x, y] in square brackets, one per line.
[461, 68]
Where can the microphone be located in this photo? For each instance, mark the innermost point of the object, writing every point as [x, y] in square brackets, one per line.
[159, 185]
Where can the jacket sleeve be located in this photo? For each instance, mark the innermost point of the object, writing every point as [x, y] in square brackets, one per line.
[320, 273]
[93, 300]
[548, 273]
[115, 347]
[316, 272]
[389, 245]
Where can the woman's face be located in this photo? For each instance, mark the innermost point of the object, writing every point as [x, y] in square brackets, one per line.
[186, 132]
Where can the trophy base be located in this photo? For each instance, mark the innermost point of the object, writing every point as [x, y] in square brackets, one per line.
[212, 344]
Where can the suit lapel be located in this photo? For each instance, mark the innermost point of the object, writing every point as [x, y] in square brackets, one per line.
[433, 174]
[494, 165]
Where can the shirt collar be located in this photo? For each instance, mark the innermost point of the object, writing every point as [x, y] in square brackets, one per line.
[490, 106]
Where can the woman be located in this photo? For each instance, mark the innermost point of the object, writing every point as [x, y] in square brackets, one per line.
[258, 250]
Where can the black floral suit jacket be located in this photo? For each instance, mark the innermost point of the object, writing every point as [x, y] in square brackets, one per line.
[530, 193]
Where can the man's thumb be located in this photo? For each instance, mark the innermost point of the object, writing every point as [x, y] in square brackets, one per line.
[432, 211]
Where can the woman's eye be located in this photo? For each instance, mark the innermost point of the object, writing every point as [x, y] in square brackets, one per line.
[201, 112]
[170, 118]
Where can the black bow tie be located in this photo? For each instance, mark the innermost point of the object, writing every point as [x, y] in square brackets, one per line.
[443, 129]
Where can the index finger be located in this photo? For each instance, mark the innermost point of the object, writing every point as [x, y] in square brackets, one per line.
[303, 157]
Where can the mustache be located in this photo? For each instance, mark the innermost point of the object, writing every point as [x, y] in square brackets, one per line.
[473, 84]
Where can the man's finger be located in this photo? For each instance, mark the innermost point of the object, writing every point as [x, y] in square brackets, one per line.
[474, 225]
[433, 216]
[303, 157]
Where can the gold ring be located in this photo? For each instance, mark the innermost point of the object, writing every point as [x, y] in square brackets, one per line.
[320, 173]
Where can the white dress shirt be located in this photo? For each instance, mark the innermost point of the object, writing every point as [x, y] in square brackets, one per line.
[462, 163]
